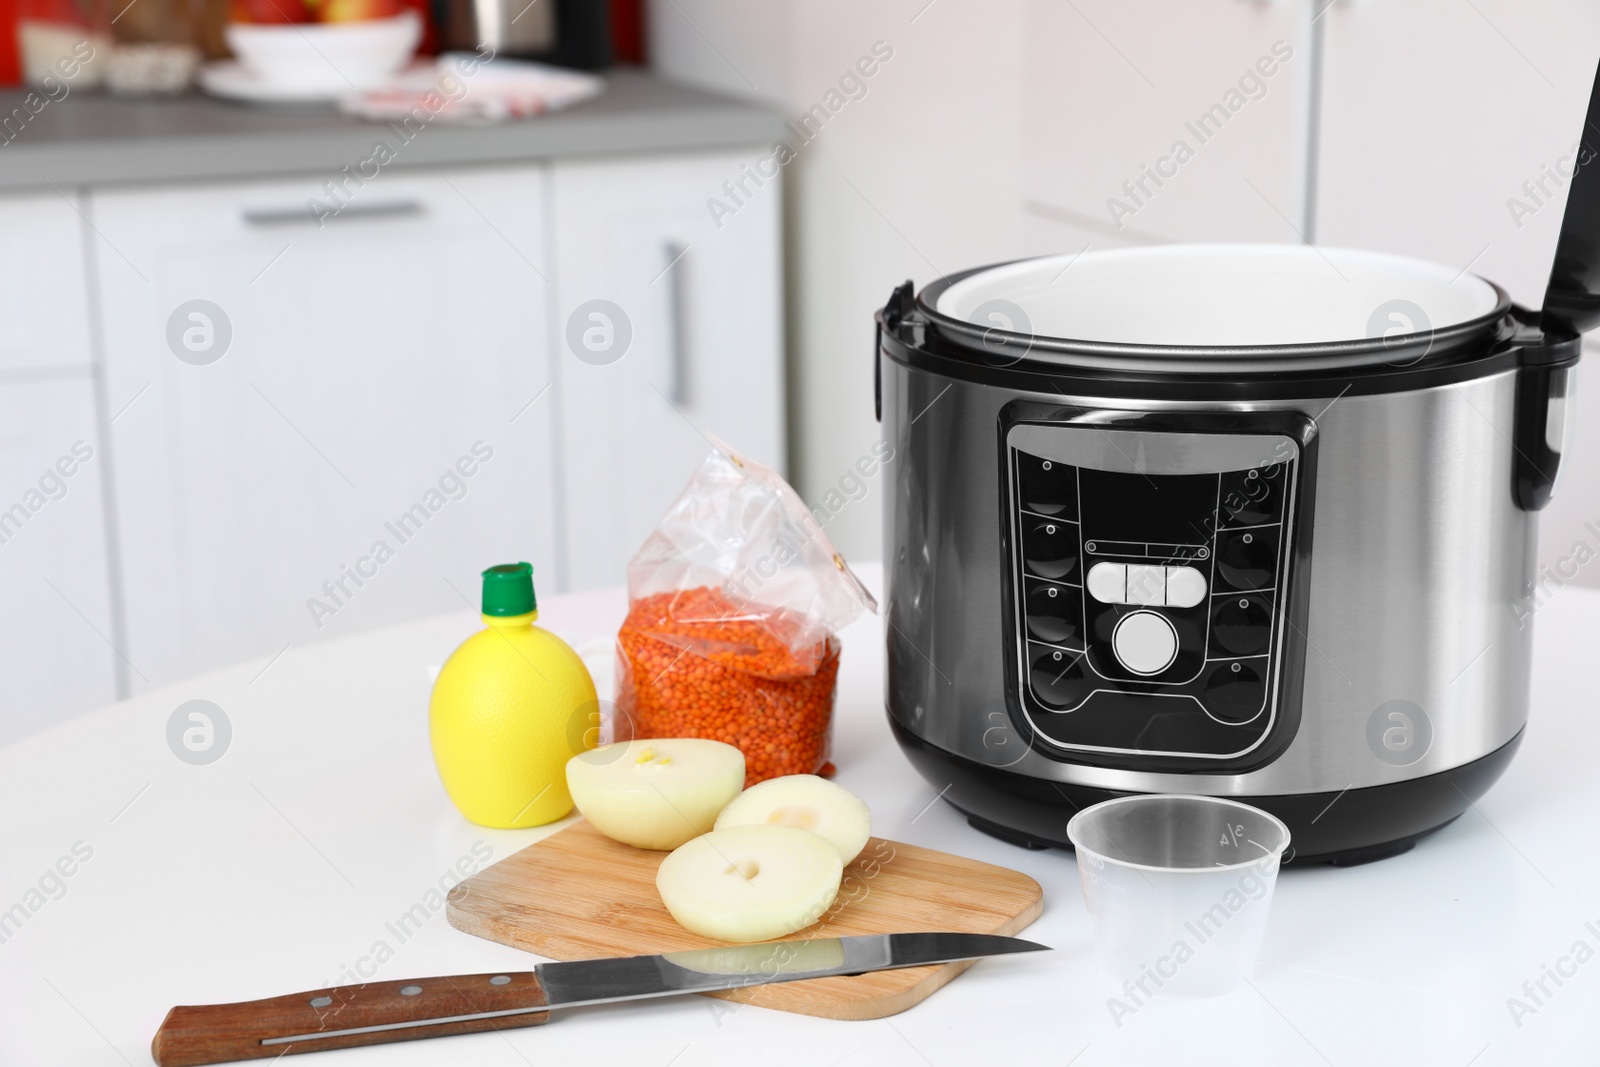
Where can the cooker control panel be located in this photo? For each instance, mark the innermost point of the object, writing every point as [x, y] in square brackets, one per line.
[1149, 571]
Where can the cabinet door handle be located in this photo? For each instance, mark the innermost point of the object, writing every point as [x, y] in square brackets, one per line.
[677, 354]
[285, 216]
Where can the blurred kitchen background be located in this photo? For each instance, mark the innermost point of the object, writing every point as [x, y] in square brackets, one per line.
[298, 350]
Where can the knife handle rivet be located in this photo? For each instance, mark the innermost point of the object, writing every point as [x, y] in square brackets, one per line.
[410, 990]
[321, 1002]
[500, 979]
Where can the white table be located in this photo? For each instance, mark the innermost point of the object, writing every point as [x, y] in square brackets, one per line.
[278, 867]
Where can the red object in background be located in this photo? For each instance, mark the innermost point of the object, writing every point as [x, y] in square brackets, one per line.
[627, 31]
[10, 60]
[429, 45]
[269, 12]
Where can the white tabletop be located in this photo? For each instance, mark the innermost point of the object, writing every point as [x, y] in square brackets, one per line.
[278, 867]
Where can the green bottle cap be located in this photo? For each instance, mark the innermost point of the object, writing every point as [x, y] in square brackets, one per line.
[508, 590]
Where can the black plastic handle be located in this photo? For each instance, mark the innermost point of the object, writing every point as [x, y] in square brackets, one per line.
[898, 306]
[1545, 385]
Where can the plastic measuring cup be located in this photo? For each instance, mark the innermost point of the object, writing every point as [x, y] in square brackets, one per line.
[1178, 887]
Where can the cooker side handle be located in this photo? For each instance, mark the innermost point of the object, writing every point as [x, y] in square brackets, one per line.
[877, 369]
[1546, 388]
[899, 304]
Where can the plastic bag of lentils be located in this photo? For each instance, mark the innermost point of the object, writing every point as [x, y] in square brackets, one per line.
[735, 603]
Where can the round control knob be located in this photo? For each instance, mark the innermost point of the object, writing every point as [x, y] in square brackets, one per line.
[1057, 677]
[1234, 693]
[1145, 643]
[1242, 626]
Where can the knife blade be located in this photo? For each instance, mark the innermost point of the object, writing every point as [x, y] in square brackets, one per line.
[378, 1012]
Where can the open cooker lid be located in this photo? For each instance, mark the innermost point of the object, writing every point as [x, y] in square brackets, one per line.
[1572, 299]
[1221, 308]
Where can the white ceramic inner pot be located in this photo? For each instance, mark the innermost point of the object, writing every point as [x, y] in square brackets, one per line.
[1220, 295]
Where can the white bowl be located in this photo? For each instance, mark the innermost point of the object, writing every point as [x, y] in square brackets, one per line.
[337, 56]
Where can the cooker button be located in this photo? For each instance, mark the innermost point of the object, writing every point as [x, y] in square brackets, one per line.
[1186, 587]
[1048, 487]
[1056, 677]
[1247, 559]
[1253, 497]
[1054, 613]
[1145, 643]
[1108, 583]
[1235, 692]
[1050, 549]
[1242, 625]
[1147, 585]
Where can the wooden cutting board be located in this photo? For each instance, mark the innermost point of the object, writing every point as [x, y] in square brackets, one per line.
[578, 894]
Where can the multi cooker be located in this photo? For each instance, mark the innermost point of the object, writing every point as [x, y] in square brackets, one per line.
[1253, 521]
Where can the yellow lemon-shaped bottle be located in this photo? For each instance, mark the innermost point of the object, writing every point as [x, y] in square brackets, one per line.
[511, 706]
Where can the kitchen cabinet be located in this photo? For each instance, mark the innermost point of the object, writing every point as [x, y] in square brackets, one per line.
[366, 421]
[44, 297]
[1463, 171]
[318, 386]
[1188, 132]
[668, 325]
[324, 424]
[58, 631]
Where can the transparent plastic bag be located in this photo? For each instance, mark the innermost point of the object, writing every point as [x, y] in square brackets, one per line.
[734, 606]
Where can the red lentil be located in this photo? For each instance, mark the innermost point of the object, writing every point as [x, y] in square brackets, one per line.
[694, 663]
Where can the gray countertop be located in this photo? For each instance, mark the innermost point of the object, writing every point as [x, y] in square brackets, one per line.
[94, 139]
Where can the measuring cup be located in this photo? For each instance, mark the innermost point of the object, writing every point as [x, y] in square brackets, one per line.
[1178, 887]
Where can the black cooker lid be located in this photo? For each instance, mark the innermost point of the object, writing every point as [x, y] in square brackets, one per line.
[1572, 299]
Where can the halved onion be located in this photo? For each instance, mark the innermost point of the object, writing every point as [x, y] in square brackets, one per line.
[804, 802]
[750, 883]
[655, 793]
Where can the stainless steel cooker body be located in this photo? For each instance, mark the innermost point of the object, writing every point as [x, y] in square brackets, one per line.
[1420, 581]
[1364, 675]
[1156, 535]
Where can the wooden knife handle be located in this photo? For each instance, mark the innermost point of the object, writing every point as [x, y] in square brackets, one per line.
[219, 1033]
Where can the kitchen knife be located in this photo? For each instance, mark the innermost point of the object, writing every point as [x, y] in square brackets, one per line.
[377, 1012]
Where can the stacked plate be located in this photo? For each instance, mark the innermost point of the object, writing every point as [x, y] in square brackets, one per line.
[312, 61]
